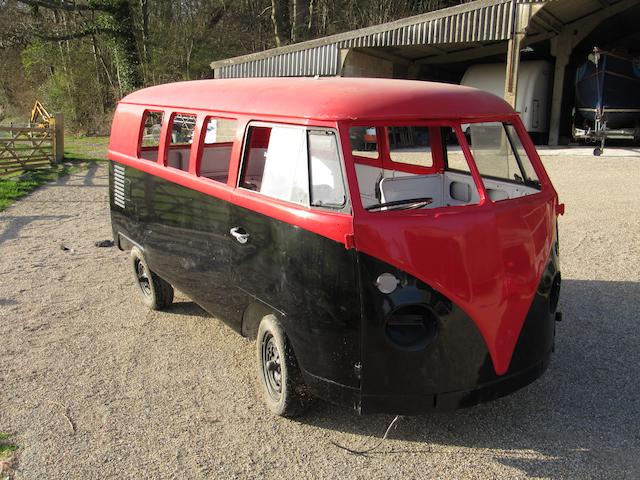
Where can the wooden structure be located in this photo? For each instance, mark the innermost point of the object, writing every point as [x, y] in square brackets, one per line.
[30, 148]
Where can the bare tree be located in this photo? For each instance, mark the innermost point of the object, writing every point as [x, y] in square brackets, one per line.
[281, 21]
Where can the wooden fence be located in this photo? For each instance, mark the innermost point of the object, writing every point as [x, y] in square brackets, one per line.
[29, 148]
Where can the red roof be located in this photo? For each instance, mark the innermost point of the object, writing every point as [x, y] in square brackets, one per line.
[325, 98]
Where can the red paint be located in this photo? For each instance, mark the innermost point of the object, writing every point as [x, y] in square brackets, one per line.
[488, 258]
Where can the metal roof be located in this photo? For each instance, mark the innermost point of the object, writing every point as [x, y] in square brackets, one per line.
[480, 21]
[421, 37]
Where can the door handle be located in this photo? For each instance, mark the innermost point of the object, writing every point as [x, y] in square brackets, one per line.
[239, 234]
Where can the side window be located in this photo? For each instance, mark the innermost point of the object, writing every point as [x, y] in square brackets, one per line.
[498, 154]
[219, 134]
[410, 145]
[327, 183]
[364, 142]
[521, 154]
[150, 138]
[182, 128]
[275, 163]
[455, 159]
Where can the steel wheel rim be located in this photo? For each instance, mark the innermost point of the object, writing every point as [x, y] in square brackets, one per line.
[143, 279]
[271, 367]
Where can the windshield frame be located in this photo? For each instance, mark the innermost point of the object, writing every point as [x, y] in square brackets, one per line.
[439, 158]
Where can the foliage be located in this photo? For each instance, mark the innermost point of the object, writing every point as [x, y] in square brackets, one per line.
[81, 56]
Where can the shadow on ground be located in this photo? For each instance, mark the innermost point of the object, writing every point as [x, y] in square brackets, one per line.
[580, 418]
[188, 308]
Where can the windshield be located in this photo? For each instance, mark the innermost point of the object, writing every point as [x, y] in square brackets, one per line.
[401, 167]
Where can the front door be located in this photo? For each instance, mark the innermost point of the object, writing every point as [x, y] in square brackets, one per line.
[288, 255]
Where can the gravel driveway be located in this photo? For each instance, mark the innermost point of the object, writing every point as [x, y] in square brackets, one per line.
[93, 385]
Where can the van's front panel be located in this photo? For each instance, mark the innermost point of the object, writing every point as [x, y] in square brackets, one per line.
[421, 350]
[455, 247]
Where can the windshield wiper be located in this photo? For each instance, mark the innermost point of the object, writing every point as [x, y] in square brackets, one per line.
[410, 203]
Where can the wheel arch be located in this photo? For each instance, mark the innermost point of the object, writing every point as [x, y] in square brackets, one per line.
[253, 315]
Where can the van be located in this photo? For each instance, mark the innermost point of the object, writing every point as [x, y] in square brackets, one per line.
[379, 258]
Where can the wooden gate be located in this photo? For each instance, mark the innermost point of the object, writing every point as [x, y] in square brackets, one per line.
[30, 148]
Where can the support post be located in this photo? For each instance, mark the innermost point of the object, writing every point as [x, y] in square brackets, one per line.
[57, 125]
[520, 17]
[513, 65]
[556, 99]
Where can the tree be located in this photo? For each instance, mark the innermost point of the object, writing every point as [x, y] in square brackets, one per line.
[112, 18]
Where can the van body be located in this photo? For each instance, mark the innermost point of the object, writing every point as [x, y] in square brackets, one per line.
[408, 268]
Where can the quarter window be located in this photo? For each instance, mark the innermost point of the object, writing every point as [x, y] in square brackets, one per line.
[327, 183]
[150, 138]
[275, 163]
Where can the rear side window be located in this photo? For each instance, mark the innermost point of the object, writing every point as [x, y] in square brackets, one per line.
[410, 145]
[150, 138]
[275, 163]
[219, 134]
[183, 126]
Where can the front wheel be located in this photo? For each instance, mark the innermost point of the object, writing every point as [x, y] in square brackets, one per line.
[278, 371]
[155, 292]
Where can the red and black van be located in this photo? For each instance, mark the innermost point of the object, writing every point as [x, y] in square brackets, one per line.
[382, 259]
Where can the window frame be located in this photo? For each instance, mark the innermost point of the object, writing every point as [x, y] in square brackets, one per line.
[438, 148]
[243, 158]
[526, 181]
[346, 208]
[201, 132]
[388, 160]
[168, 143]
[379, 133]
[384, 158]
[345, 186]
[160, 147]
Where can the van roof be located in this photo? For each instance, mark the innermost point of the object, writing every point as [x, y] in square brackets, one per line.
[325, 98]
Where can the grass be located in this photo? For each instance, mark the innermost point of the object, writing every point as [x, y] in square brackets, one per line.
[6, 448]
[78, 154]
[6, 454]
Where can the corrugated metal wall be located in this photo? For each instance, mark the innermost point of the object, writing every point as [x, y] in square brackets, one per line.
[322, 61]
[488, 21]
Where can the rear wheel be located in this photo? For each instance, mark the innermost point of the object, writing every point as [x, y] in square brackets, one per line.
[278, 372]
[155, 292]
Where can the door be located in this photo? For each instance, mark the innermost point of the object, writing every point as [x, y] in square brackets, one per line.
[288, 253]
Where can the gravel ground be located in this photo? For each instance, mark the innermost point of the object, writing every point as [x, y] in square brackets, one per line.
[93, 385]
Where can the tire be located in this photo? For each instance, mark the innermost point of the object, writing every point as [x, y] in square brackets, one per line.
[155, 292]
[278, 373]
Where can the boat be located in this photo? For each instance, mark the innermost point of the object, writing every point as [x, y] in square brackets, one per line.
[607, 98]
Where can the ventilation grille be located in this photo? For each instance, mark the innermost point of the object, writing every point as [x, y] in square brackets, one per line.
[118, 185]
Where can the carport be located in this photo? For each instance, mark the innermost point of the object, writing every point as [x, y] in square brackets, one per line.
[440, 45]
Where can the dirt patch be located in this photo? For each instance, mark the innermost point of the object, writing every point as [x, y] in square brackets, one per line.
[96, 386]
